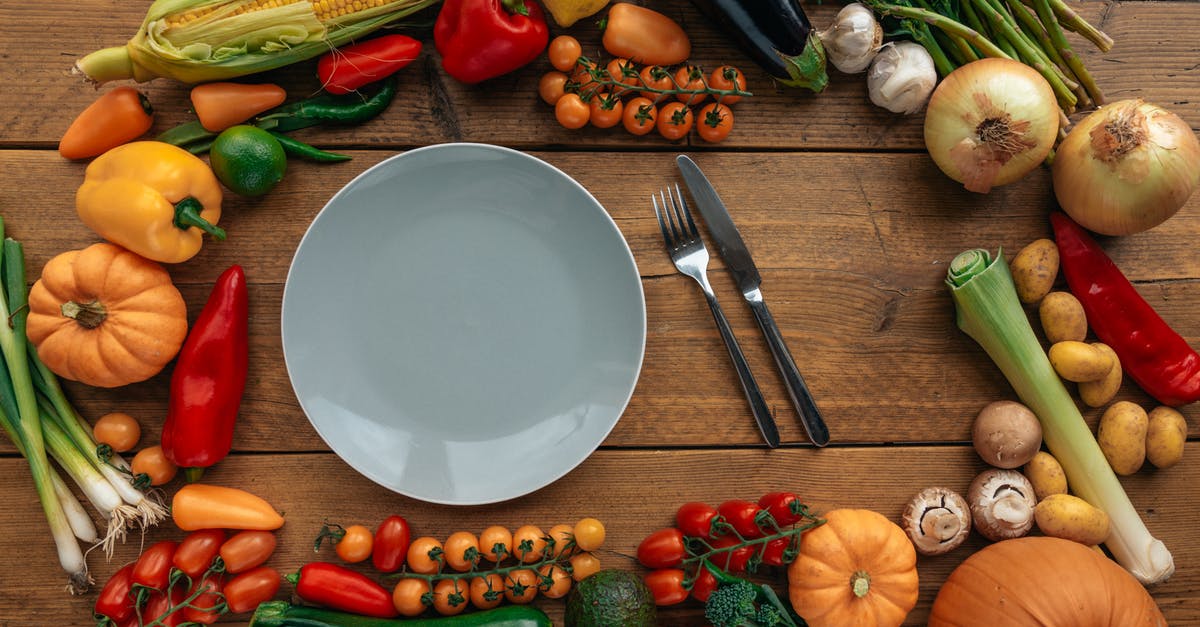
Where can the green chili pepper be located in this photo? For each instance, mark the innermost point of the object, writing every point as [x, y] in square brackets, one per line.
[345, 109]
[187, 134]
[297, 148]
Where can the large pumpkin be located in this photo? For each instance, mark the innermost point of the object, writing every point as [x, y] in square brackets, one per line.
[1040, 580]
[859, 568]
[105, 316]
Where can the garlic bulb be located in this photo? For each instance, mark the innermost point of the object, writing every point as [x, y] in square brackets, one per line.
[902, 77]
[853, 38]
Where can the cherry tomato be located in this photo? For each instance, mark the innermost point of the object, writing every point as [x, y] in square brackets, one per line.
[640, 116]
[735, 560]
[666, 584]
[696, 519]
[114, 600]
[529, 543]
[727, 78]
[551, 86]
[778, 552]
[605, 110]
[391, 544]
[742, 516]
[356, 545]
[589, 534]
[714, 122]
[205, 608]
[703, 585]
[554, 582]
[581, 80]
[450, 596]
[409, 596]
[425, 555]
[564, 540]
[118, 430]
[584, 565]
[564, 52]
[521, 586]
[246, 591]
[496, 543]
[624, 72]
[159, 603]
[487, 592]
[784, 507]
[674, 120]
[462, 551]
[655, 77]
[690, 77]
[572, 112]
[152, 462]
[153, 567]
[196, 551]
[246, 550]
[662, 549]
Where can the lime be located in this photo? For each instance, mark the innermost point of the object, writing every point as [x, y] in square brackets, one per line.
[248, 160]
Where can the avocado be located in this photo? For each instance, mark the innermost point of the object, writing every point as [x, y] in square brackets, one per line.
[611, 598]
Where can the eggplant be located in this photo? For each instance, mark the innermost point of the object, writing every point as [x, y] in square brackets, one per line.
[777, 35]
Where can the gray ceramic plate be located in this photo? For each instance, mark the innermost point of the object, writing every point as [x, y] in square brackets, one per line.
[463, 323]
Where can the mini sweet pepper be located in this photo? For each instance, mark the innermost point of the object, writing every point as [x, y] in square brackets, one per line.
[482, 39]
[153, 198]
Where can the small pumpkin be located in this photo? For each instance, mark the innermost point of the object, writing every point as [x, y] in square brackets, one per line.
[105, 316]
[859, 568]
[1039, 580]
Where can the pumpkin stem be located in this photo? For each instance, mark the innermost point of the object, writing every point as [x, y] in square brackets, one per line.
[187, 214]
[860, 583]
[88, 315]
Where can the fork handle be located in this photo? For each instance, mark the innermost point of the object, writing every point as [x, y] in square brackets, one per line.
[810, 416]
[758, 406]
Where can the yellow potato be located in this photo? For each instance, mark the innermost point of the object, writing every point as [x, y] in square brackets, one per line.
[1122, 436]
[1099, 393]
[1165, 435]
[1046, 475]
[1062, 318]
[1034, 269]
[1078, 362]
[1071, 518]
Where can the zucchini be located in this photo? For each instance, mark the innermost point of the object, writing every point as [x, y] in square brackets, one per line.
[283, 614]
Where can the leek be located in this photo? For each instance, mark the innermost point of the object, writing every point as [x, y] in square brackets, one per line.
[988, 310]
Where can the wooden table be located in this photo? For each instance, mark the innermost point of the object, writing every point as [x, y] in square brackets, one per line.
[851, 224]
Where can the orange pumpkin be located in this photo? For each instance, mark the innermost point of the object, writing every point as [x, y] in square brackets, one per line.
[1040, 580]
[859, 568]
[105, 316]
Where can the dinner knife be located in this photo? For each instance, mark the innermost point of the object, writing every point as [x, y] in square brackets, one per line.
[745, 274]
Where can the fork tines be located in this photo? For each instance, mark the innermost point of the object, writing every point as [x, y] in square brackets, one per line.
[674, 229]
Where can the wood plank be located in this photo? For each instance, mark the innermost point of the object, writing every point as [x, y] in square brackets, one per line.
[1154, 58]
[874, 478]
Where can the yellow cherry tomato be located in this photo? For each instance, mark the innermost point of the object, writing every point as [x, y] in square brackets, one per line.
[355, 545]
[584, 565]
[425, 555]
[151, 461]
[529, 543]
[408, 595]
[589, 534]
[118, 430]
[564, 539]
[462, 551]
[496, 543]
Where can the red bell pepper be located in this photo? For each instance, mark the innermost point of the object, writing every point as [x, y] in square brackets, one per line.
[482, 39]
[1151, 352]
[209, 378]
[342, 589]
[350, 67]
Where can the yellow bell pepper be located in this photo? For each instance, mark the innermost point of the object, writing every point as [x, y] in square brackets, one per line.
[567, 12]
[153, 198]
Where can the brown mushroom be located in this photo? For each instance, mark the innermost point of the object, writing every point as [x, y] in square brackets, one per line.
[1002, 504]
[1006, 434]
[937, 520]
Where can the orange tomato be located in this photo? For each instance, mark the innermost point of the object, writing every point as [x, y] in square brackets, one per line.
[715, 121]
[727, 78]
[462, 551]
[584, 565]
[408, 596]
[655, 77]
[564, 51]
[640, 116]
[521, 586]
[152, 462]
[572, 112]
[625, 72]
[552, 86]
[564, 539]
[589, 534]
[487, 591]
[449, 597]
[117, 117]
[492, 540]
[553, 581]
[355, 545]
[529, 543]
[690, 77]
[119, 431]
[425, 555]
[605, 111]
[674, 120]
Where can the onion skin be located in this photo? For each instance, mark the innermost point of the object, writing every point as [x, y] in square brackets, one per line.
[987, 90]
[1119, 188]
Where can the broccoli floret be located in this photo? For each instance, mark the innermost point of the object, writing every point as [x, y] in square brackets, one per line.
[732, 604]
[768, 616]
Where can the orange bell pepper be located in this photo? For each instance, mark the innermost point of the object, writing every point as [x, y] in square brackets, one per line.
[201, 506]
[222, 105]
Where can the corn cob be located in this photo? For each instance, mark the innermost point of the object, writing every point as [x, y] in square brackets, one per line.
[195, 41]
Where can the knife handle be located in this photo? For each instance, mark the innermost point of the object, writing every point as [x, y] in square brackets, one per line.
[810, 416]
[758, 406]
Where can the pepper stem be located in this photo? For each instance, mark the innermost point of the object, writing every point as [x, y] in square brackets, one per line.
[192, 474]
[187, 214]
[88, 315]
[860, 583]
[516, 7]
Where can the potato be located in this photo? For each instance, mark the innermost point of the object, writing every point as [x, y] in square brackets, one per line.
[1098, 393]
[1165, 435]
[1122, 436]
[1071, 518]
[1034, 270]
[1077, 361]
[1062, 318]
[1046, 475]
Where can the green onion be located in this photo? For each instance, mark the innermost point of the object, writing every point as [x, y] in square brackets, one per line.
[989, 312]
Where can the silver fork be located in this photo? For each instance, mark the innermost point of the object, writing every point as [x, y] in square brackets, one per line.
[690, 256]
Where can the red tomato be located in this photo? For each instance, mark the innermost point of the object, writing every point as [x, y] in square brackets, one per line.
[696, 520]
[778, 552]
[153, 568]
[391, 544]
[159, 603]
[734, 560]
[205, 608]
[244, 592]
[742, 516]
[195, 553]
[666, 585]
[350, 67]
[114, 600]
[247, 549]
[703, 585]
[662, 549]
[727, 78]
[784, 507]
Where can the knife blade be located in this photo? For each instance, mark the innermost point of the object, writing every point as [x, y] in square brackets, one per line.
[741, 264]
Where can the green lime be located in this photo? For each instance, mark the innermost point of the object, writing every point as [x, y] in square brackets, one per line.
[248, 160]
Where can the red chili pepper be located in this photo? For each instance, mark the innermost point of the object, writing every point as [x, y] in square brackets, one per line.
[114, 601]
[350, 67]
[342, 589]
[209, 378]
[1151, 352]
[153, 567]
[482, 39]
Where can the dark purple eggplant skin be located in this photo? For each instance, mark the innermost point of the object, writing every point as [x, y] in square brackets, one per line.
[777, 34]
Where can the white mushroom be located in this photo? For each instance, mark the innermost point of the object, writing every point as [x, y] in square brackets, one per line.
[1002, 503]
[1006, 434]
[937, 520]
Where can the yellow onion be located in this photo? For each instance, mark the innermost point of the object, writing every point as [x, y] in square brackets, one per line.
[1126, 168]
[990, 122]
